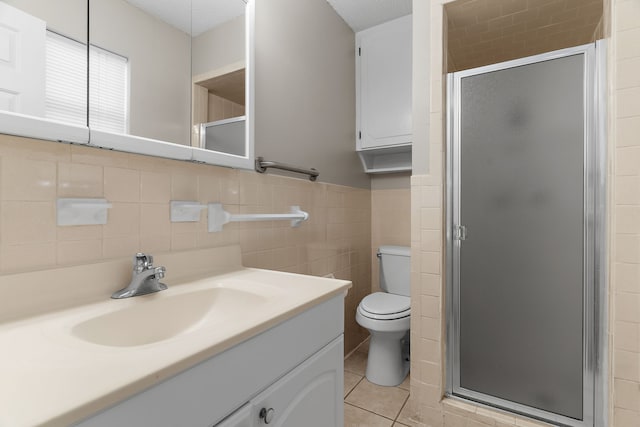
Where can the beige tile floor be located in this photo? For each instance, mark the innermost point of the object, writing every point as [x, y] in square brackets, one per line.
[371, 405]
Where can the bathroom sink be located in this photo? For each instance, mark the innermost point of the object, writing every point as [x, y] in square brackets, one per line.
[160, 317]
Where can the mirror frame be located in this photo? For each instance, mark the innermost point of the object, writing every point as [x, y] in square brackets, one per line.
[50, 130]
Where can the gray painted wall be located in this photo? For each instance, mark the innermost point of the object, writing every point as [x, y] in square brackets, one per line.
[391, 181]
[220, 46]
[305, 89]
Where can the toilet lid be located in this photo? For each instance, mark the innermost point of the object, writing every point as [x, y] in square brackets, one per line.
[382, 303]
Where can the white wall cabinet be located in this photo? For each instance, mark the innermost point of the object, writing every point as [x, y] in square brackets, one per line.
[383, 96]
[295, 369]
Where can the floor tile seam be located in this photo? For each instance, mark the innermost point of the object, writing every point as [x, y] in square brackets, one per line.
[401, 408]
[353, 372]
[393, 387]
[370, 411]
[353, 388]
[403, 388]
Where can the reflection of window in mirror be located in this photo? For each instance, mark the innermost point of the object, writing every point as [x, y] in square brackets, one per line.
[66, 95]
[66, 74]
[108, 91]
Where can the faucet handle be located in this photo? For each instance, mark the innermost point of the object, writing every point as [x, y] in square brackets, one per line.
[142, 262]
[159, 272]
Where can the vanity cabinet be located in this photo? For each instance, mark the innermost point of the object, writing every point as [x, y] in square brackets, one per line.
[306, 396]
[293, 370]
[240, 418]
[384, 96]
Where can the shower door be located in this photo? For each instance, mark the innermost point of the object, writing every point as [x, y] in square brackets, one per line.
[521, 236]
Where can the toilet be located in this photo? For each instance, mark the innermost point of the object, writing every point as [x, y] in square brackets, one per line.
[387, 316]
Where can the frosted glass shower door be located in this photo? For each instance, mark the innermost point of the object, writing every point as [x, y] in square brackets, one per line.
[520, 238]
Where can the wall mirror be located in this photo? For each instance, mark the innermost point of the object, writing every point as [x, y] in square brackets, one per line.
[170, 79]
[43, 68]
[168, 72]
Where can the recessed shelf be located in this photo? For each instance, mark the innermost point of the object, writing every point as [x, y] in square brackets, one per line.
[386, 160]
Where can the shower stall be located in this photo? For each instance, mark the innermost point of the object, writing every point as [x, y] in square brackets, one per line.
[525, 236]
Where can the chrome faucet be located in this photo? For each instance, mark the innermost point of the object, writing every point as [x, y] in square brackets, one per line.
[144, 280]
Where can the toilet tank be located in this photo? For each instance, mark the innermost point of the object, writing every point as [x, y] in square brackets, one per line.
[395, 268]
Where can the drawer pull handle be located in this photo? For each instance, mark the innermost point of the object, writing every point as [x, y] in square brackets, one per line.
[266, 415]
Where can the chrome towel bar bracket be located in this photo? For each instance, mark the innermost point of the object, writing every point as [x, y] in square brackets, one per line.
[262, 166]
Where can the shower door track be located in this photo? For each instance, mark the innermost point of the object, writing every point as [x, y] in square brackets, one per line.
[594, 255]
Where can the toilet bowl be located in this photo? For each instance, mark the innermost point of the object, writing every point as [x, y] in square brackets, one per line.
[387, 316]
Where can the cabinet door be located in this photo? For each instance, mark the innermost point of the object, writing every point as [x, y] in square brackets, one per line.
[310, 395]
[383, 69]
[240, 418]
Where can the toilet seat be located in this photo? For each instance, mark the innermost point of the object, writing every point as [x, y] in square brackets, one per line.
[384, 306]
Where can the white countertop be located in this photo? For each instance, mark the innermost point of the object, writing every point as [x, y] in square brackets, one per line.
[50, 377]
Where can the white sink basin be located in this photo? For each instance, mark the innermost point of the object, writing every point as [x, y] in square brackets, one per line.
[159, 317]
[99, 351]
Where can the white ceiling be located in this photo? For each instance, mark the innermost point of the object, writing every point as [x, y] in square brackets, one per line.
[363, 14]
[202, 16]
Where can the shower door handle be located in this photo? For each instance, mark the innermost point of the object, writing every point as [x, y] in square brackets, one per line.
[459, 232]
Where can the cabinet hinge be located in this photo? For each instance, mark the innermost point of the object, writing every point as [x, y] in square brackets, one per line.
[359, 135]
[359, 51]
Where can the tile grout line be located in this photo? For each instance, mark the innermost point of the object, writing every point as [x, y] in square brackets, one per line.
[356, 349]
[354, 373]
[393, 420]
[401, 408]
[370, 411]
[352, 388]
